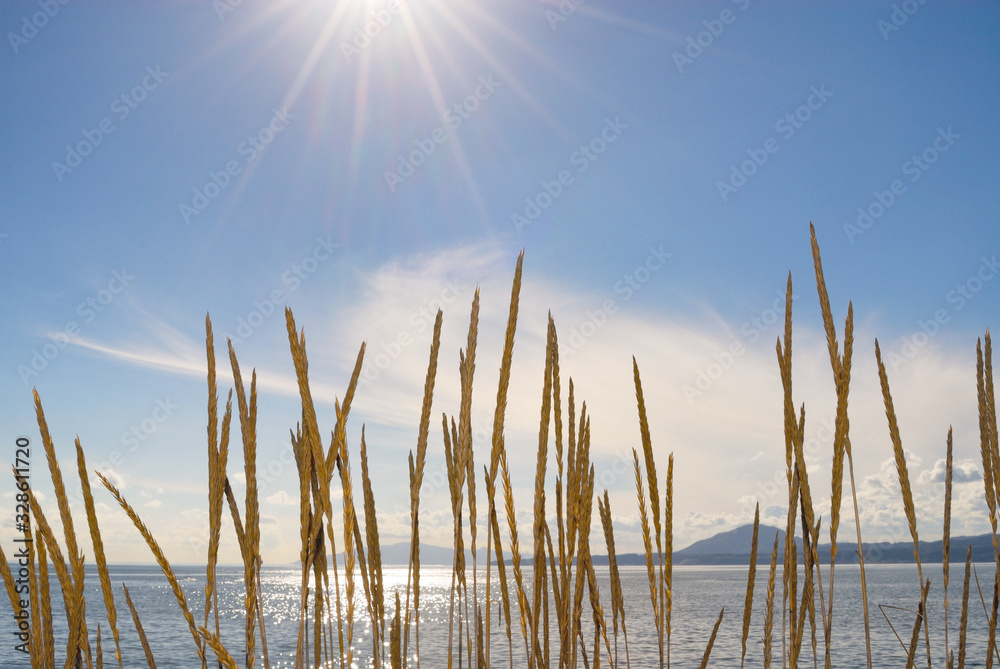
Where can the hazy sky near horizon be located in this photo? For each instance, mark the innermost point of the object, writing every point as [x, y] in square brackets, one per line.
[366, 163]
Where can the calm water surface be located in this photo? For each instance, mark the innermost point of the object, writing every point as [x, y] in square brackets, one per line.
[699, 594]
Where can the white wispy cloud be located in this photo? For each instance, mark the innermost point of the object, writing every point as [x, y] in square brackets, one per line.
[718, 411]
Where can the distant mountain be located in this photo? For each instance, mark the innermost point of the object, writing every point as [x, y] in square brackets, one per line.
[733, 548]
[734, 542]
[399, 554]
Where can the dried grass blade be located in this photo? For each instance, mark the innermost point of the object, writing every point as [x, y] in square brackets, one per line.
[99, 557]
[711, 639]
[900, 457]
[138, 628]
[915, 636]
[161, 559]
[769, 605]
[45, 533]
[964, 623]
[416, 481]
[251, 548]
[946, 540]
[374, 550]
[751, 578]
[213, 642]
[76, 611]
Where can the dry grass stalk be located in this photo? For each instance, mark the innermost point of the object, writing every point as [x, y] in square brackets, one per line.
[617, 598]
[946, 541]
[499, 417]
[841, 366]
[45, 598]
[338, 439]
[161, 559]
[900, 457]
[769, 606]
[44, 532]
[921, 618]
[964, 622]
[218, 455]
[38, 622]
[992, 617]
[138, 628]
[310, 426]
[78, 638]
[454, 463]
[416, 480]
[374, 554]
[711, 639]
[551, 352]
[98, 543]
[985, 449]
[251, 548]
[213, 642]
[317, 467]
[557, 559]
[504, 588]
[795, 466]
[350, 523]
[654, 500]
[751, 578]
[860, 553]
[567, 521]
[647, 543]
[467, 374]
[789, 568]
[990, 408]
[988, 433]
[585, 563]
[904, 477]
[668, 551]
[515, 550]
[395, 646]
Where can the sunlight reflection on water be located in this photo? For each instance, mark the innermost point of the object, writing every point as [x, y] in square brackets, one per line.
[699, 594]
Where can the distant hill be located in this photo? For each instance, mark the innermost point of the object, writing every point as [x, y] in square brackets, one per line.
[733, 548]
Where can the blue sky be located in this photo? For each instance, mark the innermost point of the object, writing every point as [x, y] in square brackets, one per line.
[659, 165]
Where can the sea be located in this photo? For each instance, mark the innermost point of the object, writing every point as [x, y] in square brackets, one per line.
[700, 593]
